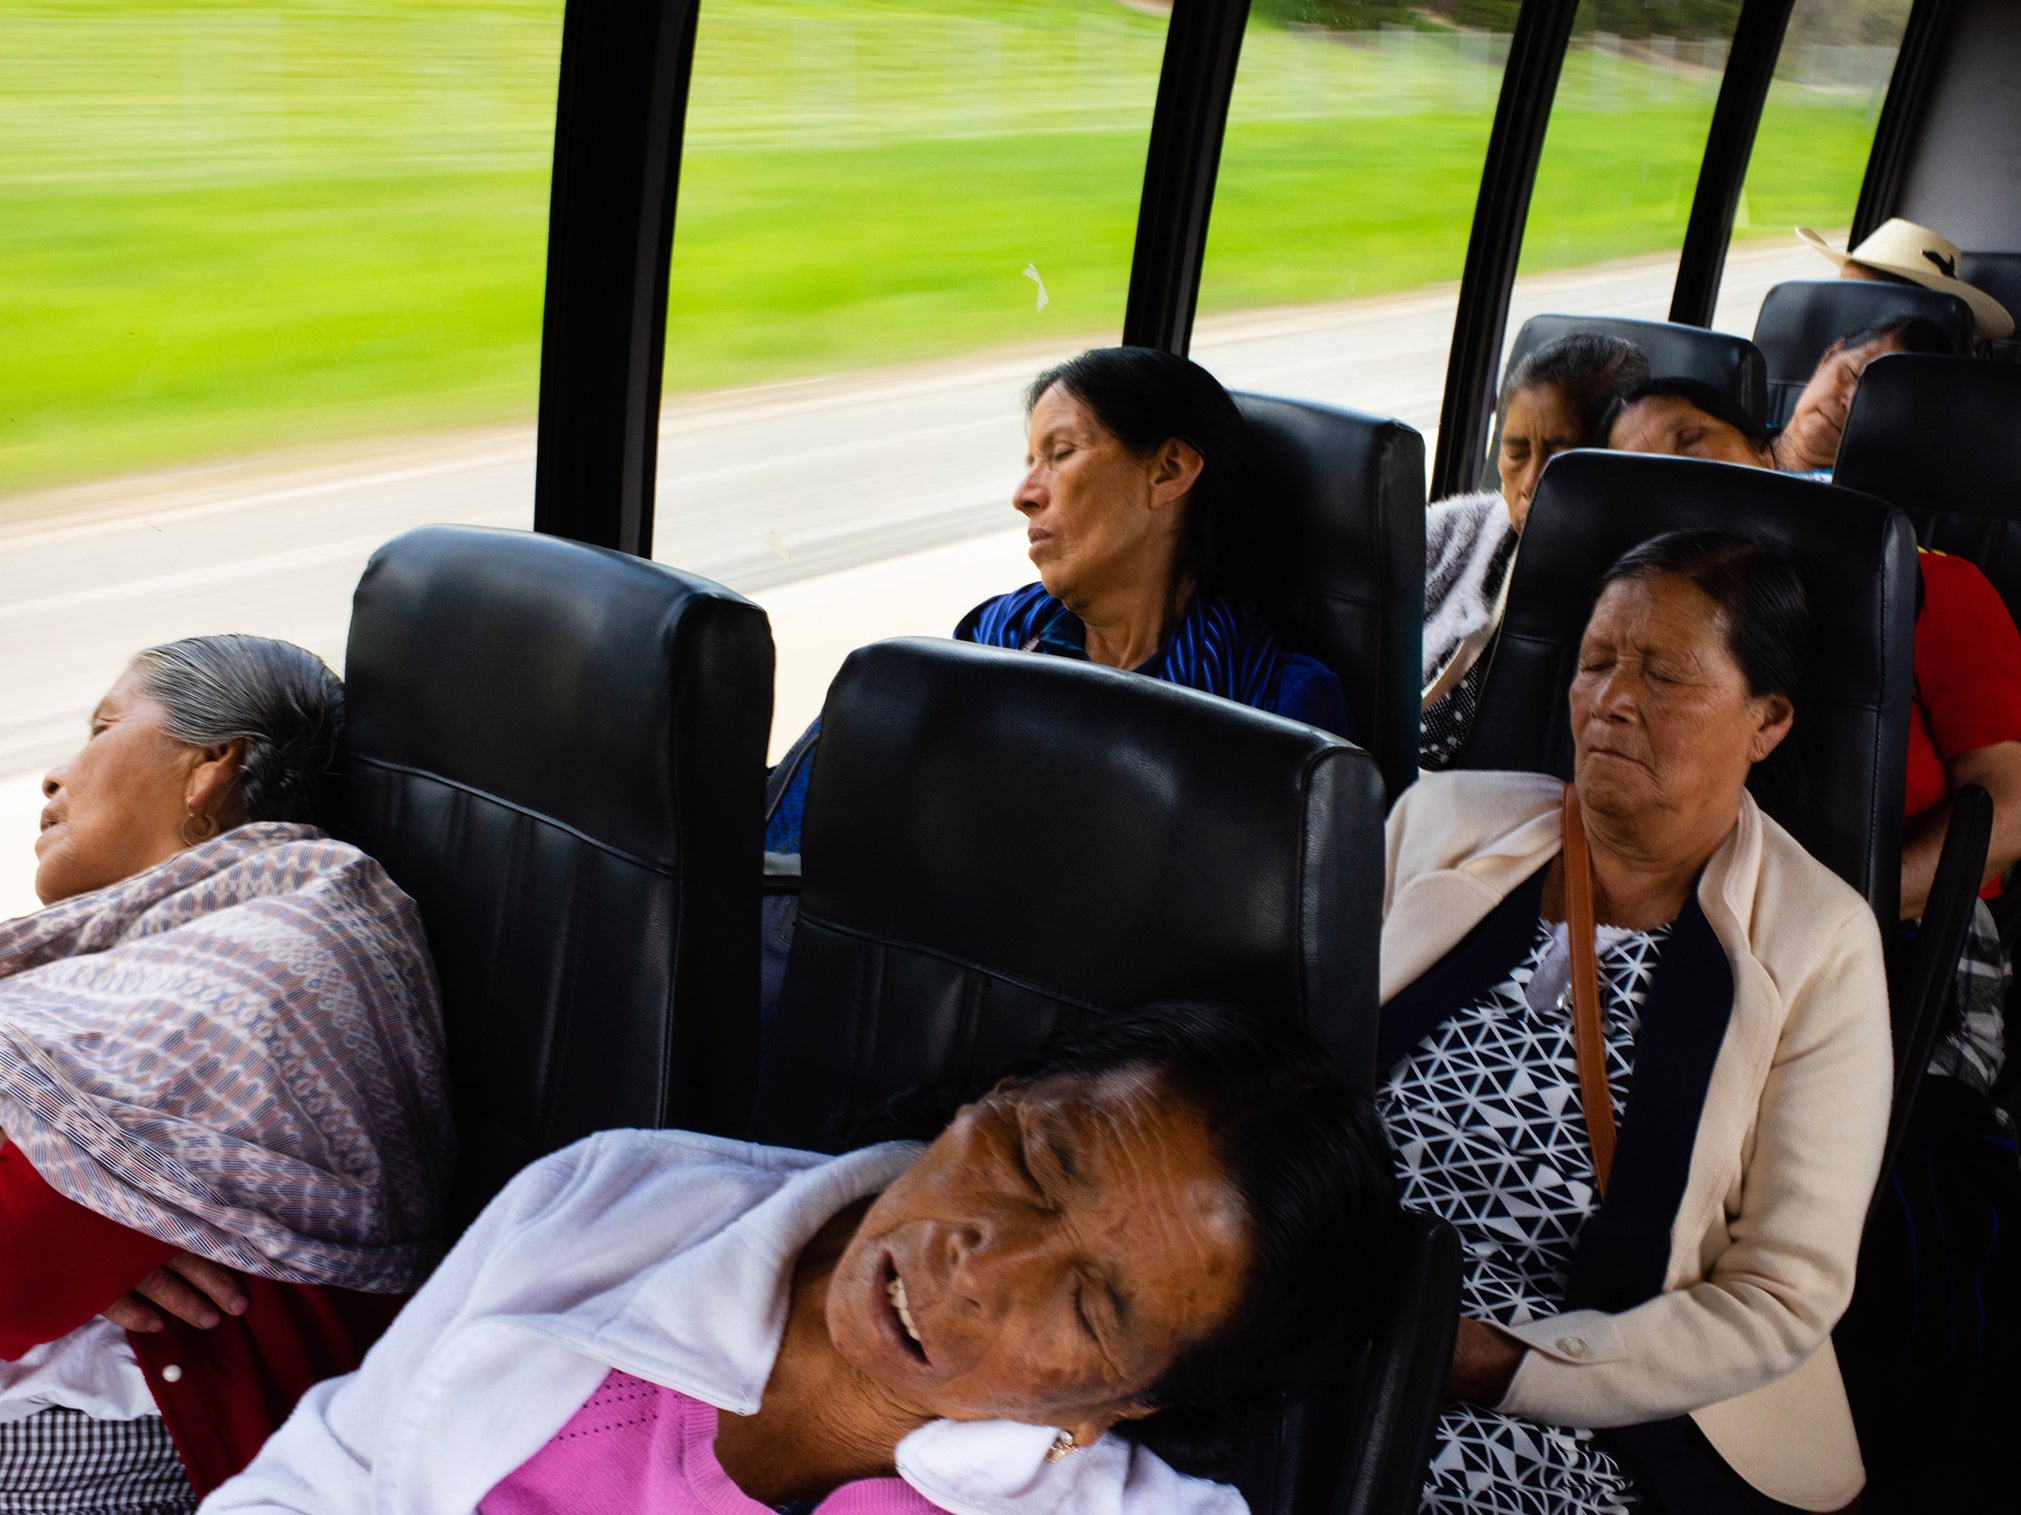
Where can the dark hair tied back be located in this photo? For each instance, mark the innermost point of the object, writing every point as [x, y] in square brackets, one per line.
[1146, 397]
[1588, 368]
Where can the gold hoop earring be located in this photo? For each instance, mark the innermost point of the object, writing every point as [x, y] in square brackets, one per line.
[1062, 1444]
[205, 827]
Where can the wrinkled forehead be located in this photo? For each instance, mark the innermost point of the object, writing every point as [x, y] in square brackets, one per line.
[1059, 409]
[1128, 1132]
[1653, 610]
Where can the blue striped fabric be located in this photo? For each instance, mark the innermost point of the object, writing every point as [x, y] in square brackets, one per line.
[1221, 646]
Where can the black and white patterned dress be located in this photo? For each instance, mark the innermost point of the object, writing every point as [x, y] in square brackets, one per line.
[1489, 1134]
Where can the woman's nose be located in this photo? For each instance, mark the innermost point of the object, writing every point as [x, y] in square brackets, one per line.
[51, 782]
[1615, 698]
[990, 1258]
[1027, 497]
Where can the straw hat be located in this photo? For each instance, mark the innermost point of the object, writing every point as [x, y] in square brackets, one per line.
[1908, 251]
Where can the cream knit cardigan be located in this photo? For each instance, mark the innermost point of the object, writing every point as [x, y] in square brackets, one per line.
[1787, 1152]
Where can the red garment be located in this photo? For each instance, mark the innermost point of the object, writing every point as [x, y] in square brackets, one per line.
[238, 1381]
[79, 1264]
[1968, 678]
[221, 1392]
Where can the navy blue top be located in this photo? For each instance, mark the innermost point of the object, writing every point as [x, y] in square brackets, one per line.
[1222, 646]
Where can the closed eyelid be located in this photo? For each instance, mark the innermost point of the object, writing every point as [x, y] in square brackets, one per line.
[1086, 1318]
[1020, 1145]
[1053, 1152]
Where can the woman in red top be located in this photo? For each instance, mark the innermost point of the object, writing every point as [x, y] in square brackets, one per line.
[221, 1085]
[1966, 723]
[1964, 727]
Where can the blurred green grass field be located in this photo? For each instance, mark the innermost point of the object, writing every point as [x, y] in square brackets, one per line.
[231, 227]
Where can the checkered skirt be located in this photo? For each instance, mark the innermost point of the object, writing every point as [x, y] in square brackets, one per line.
[63, 1462]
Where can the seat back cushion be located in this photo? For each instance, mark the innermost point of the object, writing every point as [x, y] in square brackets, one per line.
[1733, 365]
[1999, 274]
[558, 751]
[999, 843]
[1941, 438]
[1353, 488]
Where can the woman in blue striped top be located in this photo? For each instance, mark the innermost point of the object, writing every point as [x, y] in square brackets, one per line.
[1152, 554]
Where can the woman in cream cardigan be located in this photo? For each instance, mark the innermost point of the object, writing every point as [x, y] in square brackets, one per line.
[1666, 1347]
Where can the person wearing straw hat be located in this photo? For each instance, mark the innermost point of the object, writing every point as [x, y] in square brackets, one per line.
[1903, 252]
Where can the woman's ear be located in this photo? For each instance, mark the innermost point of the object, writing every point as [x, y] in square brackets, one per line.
[1095, 1427]
[1777, 716]
[212, 786]
[1175, 469]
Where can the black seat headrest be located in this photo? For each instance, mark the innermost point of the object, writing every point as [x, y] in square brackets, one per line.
[1941, 438]
[1353, 486]
[1801, 319]
[1999, 274]
[558, 751]
[1856, 556]
[1732, 365]
[998, 843]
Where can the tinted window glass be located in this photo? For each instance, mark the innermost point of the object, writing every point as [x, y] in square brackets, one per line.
[1345, 198]
[1811, 152]
[1621, 158]
[270, 292]
[890, 218]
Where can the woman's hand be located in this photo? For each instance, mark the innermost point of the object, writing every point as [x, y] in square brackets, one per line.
[1484, 1360]
[193, 1289]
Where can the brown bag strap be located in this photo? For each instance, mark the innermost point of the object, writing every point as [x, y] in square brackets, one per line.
[1587, 1035]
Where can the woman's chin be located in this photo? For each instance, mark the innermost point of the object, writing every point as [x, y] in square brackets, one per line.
[1615, 787]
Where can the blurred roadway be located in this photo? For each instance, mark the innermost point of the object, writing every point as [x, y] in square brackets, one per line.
[850, 507]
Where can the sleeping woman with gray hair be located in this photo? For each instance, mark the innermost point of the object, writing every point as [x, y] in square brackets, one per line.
[224, 1123]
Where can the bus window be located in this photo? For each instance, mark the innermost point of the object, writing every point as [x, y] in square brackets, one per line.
[1811, 152]
[1347, 186]
[270, 292]
[1621, 156]
[891, 218]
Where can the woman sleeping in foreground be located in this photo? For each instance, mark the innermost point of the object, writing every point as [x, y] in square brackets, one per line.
[1160, 1218]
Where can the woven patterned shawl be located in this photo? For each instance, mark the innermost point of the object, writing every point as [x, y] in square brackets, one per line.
[239, 1052]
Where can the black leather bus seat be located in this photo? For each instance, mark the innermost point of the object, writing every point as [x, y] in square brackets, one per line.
[1999, 274]
[1354, 487]
[1730, 364]
[558, 751]
[1940, 437]
[1801, 319]
[1857, 558]
[999, 845]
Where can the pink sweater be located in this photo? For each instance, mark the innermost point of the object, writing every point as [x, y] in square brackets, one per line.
[636, 1446]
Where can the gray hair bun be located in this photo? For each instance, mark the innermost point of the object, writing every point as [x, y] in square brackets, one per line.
[282, 700]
